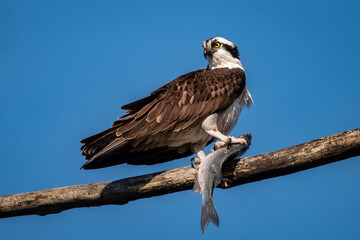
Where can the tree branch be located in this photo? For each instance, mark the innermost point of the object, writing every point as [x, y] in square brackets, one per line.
[235, 172]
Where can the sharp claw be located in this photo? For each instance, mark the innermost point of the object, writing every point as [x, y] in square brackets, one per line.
[228, 143]
[195, 162]
[192, 162]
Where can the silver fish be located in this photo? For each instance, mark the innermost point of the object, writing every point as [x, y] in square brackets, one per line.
[209, 176]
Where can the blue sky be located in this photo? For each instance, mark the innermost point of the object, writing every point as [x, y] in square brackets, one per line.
[66, 67]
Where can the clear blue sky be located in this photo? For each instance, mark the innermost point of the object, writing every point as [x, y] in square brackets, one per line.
[66, 67]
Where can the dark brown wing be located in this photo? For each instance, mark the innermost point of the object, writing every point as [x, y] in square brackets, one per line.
[182, 103]
[179, 105]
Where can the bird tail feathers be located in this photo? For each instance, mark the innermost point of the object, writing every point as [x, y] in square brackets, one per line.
[248, 99]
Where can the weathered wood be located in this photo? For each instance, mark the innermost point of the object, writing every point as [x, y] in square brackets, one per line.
[285, 161]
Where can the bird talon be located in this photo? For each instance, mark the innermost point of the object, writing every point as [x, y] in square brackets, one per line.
[228, 142]
[218, 145]
[240, 140]
[195, 162]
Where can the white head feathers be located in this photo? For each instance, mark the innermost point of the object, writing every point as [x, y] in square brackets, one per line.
[221, 53]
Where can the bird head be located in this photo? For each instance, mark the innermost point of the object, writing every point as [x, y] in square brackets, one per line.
[220, 52]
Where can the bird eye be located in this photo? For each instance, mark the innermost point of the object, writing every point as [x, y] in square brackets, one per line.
[217, 44]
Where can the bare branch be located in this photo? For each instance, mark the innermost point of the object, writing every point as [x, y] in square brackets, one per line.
[235, 172]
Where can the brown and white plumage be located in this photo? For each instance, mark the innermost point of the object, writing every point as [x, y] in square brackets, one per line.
[177, 119]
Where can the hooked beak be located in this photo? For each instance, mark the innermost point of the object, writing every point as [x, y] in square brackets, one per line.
[207, 52]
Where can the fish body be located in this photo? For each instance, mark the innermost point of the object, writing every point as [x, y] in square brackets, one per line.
[209, 176]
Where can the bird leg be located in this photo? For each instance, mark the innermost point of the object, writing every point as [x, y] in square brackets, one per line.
[201, 156]
[210, 126]
[225, 141]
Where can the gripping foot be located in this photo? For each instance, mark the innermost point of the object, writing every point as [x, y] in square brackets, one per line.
[230, 140]
[195, 162]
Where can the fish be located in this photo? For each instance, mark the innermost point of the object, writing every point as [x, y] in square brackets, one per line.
[209, 176]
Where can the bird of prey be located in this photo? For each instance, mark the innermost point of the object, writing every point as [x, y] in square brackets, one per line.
[178, 119]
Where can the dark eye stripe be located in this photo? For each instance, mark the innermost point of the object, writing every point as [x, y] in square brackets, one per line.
[232, 50]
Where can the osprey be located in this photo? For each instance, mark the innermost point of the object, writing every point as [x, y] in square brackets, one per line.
[180, 118]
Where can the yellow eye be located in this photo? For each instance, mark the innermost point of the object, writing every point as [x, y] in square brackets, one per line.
[217, 44]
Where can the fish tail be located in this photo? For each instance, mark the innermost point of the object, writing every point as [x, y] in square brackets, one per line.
[208, 214]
